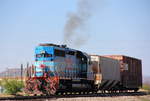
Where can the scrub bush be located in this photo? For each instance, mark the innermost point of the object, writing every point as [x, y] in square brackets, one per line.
[12, 86]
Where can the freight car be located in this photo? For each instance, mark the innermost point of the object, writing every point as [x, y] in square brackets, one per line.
[130, 70]
[107, 70]
[58, 68]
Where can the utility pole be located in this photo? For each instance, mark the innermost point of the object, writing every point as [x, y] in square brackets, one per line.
[22, 73]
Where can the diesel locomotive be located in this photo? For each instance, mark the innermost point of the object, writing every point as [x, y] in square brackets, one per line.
[58, 68]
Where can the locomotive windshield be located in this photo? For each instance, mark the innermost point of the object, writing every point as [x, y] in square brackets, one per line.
[43, 55]
[60, 53]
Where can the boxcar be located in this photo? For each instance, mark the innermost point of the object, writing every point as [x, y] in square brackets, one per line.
[130, 70]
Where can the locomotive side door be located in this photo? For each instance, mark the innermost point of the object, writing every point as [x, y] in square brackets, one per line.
[82, 61]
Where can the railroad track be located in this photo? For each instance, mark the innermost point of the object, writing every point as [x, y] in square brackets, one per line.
[39, 98]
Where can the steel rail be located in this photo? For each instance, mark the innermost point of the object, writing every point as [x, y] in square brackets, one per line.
[73, 96]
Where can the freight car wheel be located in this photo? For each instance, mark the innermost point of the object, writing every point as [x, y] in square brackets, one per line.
[136, 89]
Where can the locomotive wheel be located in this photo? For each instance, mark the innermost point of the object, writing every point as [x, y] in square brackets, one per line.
[50, 90]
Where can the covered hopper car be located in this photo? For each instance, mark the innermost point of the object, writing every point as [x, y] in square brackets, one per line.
[107, 70]
[58, 68]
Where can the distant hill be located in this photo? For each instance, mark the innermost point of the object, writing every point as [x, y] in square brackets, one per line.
[12, 72]
[146, 79]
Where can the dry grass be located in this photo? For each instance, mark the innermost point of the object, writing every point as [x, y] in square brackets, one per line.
[146, 87]
[6, 95]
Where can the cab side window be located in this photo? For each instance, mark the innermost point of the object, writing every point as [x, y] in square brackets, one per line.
[60, 53]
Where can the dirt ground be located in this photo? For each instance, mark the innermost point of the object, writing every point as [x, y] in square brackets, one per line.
[117, 98]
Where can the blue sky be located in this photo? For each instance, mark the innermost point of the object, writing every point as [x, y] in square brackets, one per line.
[115, 27]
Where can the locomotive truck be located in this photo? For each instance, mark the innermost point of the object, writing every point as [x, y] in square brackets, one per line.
[58, 68]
